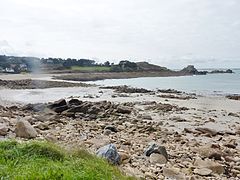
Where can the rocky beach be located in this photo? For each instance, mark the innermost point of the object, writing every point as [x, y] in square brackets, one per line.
[151, 134]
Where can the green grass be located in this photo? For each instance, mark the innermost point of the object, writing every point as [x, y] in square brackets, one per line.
[90, 68]
[41, 160]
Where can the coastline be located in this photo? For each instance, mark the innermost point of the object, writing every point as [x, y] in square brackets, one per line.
[117, 75]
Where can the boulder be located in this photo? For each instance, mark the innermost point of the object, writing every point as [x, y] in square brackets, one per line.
[25, 130]
[110, 153]
[155, 148]
[156, 158]
[3, 130]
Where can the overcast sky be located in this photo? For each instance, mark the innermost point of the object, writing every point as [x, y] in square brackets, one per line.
[172, 33]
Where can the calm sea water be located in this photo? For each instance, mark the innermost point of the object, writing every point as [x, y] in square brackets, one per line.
[201, 84]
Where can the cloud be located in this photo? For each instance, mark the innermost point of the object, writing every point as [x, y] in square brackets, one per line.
[164, 31]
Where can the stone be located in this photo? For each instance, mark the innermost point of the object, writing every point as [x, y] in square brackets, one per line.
[124, 156]
[149, 175]
[173, 173]
[147, 117]
[107, 132]
[156, 158]
[203, 171]
[74, 102]
[155, 148]
[42, 126]
[111, 128]
[51, 138]
[60, 109]
[25, 130]
[207, 131]
[215, 155]
[124, 110]
[3, 130]
[233, 114]
[210, 152]
[39, 107]
[230, 145]
[215, 167]
[110, 153]
[59, 103]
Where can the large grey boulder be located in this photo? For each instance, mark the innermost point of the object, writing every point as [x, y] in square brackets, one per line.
[25, 130]
[110, 153]
[155, 148]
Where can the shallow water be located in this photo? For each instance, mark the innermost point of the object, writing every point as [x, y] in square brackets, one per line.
[44, 95]
[212, 84]
[202, 84]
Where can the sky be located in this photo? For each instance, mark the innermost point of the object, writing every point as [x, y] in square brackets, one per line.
[172, 33]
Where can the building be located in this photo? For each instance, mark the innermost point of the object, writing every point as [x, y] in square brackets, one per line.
[9, 70]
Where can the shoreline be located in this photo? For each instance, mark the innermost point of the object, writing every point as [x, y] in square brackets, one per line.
[84, 77]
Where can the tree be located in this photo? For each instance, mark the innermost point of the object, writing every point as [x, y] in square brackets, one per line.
[107, 63]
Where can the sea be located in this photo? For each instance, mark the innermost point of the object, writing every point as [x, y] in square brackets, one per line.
[206, 85]
[210, 84]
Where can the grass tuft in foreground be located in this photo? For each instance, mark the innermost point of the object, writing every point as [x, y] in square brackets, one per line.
[42, 160]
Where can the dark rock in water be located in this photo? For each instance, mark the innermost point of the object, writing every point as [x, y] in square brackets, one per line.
[221, 71]
[155, 148]
[172, 91]
[39, 107]
[111, 128]
[190, 69]
[124, 110]
[229, 71]
[59, 103]
[110, 153]
[74, 102]
[127, 89]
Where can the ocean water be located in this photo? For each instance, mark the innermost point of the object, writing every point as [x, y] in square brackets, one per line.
[214, 84]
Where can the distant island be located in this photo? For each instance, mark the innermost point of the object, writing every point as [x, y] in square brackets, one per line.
[91, 69]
